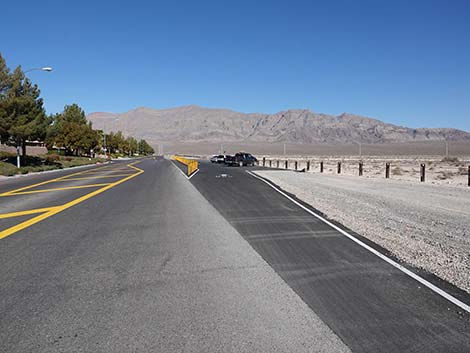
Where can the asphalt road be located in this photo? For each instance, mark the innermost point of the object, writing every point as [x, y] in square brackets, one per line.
[369, 304]
[137, 258]
[147, 265]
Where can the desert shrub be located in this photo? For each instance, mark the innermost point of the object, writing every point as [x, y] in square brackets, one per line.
[397, 171]
[463, 171]
[445, 174]
[450, 159]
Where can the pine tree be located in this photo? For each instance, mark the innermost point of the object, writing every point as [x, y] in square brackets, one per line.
[4, 85]
[22, 114]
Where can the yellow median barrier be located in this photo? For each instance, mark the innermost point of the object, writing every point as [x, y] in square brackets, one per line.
[190, 163]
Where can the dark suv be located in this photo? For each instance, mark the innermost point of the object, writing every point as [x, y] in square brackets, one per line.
[242, 158]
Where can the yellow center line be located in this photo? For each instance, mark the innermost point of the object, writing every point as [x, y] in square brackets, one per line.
[25, 213]
[57, 209]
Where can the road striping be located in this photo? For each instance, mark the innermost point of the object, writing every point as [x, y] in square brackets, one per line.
[413, 275]
[5, 233]
[187, 177]
[25, 213]
[67, 177]
[94, 177]
[43, 183]
[57, 189]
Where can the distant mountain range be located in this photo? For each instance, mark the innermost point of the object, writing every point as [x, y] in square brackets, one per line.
[197, 124]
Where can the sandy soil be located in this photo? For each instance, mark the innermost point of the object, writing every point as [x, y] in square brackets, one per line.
[428, 148]
[423, 224]
[438, 170]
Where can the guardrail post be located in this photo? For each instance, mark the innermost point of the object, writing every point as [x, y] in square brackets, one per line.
[423, 172]
[360, 168]
[264, 161]
[321, 167]
[339, 167]
[295, 165]
[387, 170]
[287, 164]
[277, 165]
[308, 166]
[270, 163]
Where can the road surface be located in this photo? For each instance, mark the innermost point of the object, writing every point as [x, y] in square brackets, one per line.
[134, 257]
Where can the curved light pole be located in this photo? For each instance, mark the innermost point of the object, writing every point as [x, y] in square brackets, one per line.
[46, 69]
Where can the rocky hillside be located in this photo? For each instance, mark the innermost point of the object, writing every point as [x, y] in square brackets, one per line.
[197, 124]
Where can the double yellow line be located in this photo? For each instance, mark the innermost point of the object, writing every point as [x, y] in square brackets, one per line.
[50, 211]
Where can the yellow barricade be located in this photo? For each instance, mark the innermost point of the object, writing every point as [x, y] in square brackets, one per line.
[190, 163]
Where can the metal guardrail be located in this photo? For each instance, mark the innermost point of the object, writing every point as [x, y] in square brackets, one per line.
[192, 165]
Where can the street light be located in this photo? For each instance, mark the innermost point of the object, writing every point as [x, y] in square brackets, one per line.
[46, 69]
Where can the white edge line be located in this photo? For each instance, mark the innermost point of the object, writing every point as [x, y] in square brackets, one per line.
[187, 177]
[372, 250]
[194, 173]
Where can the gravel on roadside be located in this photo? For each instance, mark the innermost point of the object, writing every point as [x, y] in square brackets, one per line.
[427, 226]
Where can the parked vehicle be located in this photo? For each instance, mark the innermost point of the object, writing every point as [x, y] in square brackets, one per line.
[240, 159]
[217, 159]
[245, 159]
[230, 161]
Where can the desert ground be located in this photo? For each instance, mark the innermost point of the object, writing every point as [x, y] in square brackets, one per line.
[439, 170]
[409, 149]
[423, 224]
[443, 166]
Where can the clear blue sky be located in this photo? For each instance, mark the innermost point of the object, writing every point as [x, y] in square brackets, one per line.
[404, 62]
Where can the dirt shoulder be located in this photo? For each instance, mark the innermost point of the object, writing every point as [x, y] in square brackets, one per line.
[425, 225]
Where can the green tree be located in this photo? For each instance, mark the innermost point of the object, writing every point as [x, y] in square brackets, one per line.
[4, 86]
[22, 116]
[132, 145]
[71, 131]
[145, 148]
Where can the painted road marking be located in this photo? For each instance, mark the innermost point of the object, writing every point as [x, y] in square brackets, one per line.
[65, 178]
[54, 210]
[25, 213]
[43, 183]
[57, 189]
[413, 275]
[187, 177]
[94, 177]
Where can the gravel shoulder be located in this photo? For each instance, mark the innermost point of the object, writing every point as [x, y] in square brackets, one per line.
[427, 226]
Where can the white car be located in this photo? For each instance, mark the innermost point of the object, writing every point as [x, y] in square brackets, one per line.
[218, 158]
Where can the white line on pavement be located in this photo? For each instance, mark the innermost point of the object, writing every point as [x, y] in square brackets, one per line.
[372, 250]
